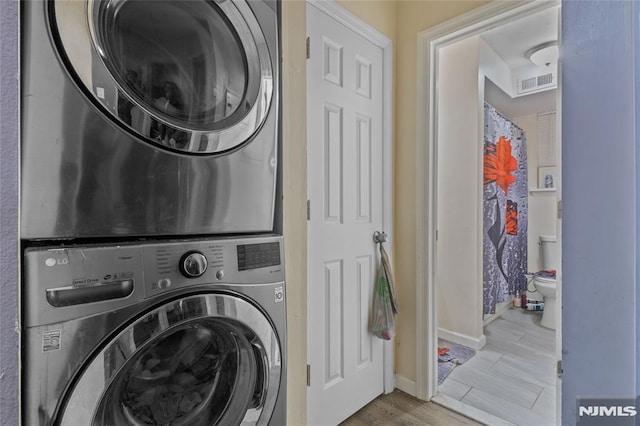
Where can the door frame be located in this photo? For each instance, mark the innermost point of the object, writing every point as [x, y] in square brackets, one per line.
[429, 42]
[357, 25]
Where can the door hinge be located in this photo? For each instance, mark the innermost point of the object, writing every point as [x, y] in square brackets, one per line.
[308, 375]
[308, 209]
[308, 47]
[558, 369]
[559, 209]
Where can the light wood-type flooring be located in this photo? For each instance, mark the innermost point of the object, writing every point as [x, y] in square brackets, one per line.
[399, 408]
[513, 376]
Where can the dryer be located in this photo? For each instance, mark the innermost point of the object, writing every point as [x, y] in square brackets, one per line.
[188, 332]
[149, 117]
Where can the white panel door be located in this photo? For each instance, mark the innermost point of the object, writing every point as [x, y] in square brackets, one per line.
[344, 137]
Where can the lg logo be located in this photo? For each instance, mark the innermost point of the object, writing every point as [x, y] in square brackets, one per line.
[53, 262]
[279, 294]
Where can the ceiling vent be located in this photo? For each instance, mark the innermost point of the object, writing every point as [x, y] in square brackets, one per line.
[537, 83]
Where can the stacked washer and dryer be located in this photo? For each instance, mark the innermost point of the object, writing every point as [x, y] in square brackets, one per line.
[153, 284]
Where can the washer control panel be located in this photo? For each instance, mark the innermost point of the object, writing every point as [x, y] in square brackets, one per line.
[73, 281]
[172, 265]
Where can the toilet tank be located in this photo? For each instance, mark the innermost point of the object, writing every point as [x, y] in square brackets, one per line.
[550, 255]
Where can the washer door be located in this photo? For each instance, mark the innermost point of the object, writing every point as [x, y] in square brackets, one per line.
[200, 360]
[193, 76]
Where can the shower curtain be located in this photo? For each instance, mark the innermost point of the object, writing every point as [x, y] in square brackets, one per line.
[504, 209]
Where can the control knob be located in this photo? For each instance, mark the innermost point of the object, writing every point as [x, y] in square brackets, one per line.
[193, 264]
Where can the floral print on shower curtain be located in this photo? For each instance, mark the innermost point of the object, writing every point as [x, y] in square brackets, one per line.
[504, 209]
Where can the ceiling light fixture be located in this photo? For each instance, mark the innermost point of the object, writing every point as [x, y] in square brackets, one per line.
[544, 55]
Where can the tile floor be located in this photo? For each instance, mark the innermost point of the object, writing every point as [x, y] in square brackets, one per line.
[513, 376]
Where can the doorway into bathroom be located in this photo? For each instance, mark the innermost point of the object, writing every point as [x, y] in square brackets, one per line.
[512, 374]
[489, 85]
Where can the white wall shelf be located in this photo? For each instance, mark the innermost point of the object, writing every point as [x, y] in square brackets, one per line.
[534, 191]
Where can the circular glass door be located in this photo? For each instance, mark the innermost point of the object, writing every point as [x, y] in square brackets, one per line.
[189, 75]
[202, 373]
[199, 361]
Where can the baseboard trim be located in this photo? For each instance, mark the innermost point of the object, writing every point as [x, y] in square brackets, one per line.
[406, 385]
[462, 339]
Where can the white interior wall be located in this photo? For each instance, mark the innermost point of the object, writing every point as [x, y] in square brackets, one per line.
[459, 245]
[541, 211]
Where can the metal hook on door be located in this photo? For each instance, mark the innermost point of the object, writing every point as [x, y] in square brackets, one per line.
[379, 237]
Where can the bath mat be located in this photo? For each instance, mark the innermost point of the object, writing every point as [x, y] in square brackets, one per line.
[449, 355]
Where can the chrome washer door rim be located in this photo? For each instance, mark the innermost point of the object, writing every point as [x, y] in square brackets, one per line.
[82, 399]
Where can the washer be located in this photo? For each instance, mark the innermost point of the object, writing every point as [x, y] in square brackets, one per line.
[147, 117]
[179, 332]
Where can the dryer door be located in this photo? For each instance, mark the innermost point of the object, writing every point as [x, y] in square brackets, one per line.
[193, 76]
[199, 360]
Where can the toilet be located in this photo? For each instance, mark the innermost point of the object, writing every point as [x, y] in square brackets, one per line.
[547, 286]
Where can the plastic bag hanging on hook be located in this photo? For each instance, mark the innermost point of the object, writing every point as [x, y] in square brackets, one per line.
[384, 303]
[382, 321]
[385, 265]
